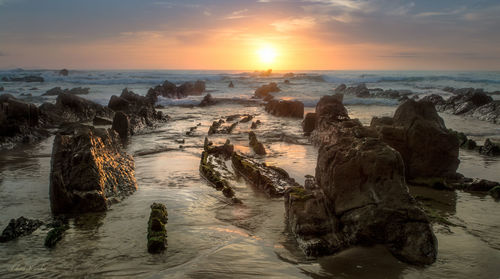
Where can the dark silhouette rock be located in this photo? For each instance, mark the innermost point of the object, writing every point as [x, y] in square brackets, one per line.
[246, 119]
[121, 124]
[19, 227]
[309, 123]
[256, 146]
[56, 91]
[255, 124]
[101, 121]
[64, 72]
[157, 233]
[208, 101]
[56, 233]
[329, 110]
[285, 108]
[189, 88]
[489, 148]
[24, 79]
[231, 85]
[89, 171]
[264, 91]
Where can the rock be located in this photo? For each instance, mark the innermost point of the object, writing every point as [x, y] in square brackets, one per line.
[64, 72]
[264, 91]
[121, 124]
[56, 91]
[71, 108]
[489, 148]
[271, 180]
[287, 81]
[101, 121]
[309, 123]
[255, 124]
[256, 146]
[359, 91]
[340, 89]
[218, 128]
[157, 233]
[329, 110]
[189, 88]
[19, 227]
[495, 192]
[285, 108]
[167, 90]
[208, 101]
[213, 168]
[480, 185]
[19, 122]
[56, 233]
[231, 85]
[471, 102]
[24, 79]
[89, 171]
[246, 119]
[434, 98]
[361, 199]
[418, 133]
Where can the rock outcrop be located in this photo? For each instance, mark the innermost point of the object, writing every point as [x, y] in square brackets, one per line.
[89, 171]
[360, 197]
[256, 146]
[264, 92]
[19, 227]
[157, 233]
[56, 91]
[208, 100]
[19, 122]
[270, 179]
[170, 90]
[217, 127]
[285, 108]
[309, 123]
[70, 108]
[361, 91]
[329, 110]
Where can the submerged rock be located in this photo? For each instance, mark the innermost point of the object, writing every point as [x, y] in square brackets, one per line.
[264, 91]
[271, 180]
[89, 171]
[285, 108]
[157, 233]
[19, 227]
[64, 72]
[256, 146]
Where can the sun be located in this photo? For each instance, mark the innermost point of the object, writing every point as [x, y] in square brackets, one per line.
[267, 54]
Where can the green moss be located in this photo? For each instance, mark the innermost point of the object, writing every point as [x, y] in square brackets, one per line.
[300, 194]
[157, 233]
[54, 236]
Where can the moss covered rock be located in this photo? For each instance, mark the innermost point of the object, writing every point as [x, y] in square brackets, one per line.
[157, 233]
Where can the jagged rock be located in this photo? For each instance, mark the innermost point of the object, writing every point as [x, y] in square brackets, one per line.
[157, 233]
[489, 148]
[213, 167]
[56, 233]
[63, 72]
[231, 85]
[329, 110]
[24, 79]
[19, 122]
[19, 227]
[208, 101]
[71, 108]
[361, 199]
[285, 108]
[419, 134]
[256, 146]
[89, 171]
[272, 180]
[218, 128]
[255, 124]
[167, 90]
[101, 121]
[121, 124]
[309, 123]
[246, 119]
[264, 91]
[56, 91]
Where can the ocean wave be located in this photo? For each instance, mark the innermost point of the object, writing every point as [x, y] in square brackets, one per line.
[371, 78]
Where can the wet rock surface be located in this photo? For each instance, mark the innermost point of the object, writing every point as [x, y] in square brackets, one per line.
[256, 146]
[157, 233]
[285, 108]
[208, 100]
[19, 227]
[170, 90]
[89, 171]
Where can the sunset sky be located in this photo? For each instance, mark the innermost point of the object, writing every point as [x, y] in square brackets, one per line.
[228, 34]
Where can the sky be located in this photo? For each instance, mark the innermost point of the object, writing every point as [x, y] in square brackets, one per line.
[228, 34]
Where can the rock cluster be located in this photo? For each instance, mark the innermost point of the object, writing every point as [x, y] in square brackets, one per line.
[89, 171]
[285, 108]
[361, 91]
[19, 227]
[170, 90]
[157, 233]
[489, 148]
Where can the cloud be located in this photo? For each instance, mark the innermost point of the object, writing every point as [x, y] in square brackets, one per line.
[294, 24]
[444, 13]
[237, 14]
[347, 4]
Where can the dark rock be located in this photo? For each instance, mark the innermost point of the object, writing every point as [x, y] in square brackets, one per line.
[208, 101]
[255, 124]
[418, 133]
[19, 227]
[434, 98]
[246, 119]
[64, 72]
[264, 91]
[24, 79]
[495, 192]
[256, 146]
[56, 233]
[231, 85]
[287, 81]
[157, 233]
[285, 108]
[167, 90]
[328, 110]
[471, 102]
[121, 124]
[489, 148]
[56, 91]
[218, 128]
[101, 121]
[271, 180]
[189, 88]
[89, 171]
[309, 123]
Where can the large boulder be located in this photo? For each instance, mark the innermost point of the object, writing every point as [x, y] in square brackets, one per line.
[419, 134]
[89, 171]
[309, 123]
[360, 199]
[285, 108]
[329, 110]
[71, 108]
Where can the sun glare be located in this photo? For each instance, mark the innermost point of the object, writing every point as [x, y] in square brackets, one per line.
[267, 54]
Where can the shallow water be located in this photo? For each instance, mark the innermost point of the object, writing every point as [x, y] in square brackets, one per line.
[207, 238]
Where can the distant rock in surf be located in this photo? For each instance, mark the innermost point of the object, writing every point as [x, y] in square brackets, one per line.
[64, 72]
[56, 91]
[264, 91]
